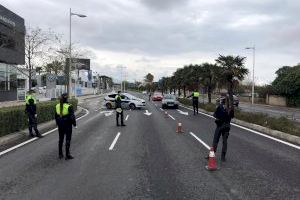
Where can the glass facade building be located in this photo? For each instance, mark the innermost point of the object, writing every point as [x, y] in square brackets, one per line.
[8, 82]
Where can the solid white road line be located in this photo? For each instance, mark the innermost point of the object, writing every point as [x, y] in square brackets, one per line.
[35, 138]
[171, 116]
[253, 131]
[199, 140]
[126, 117]
[114, 142]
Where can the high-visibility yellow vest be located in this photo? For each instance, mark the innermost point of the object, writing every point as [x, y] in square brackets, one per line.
[65, 110]
[117, 96]
[196, 94]
[30, 97]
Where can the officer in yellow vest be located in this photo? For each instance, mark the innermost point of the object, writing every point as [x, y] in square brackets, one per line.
[119, 109]
[30, 96]
[195, 100]
[65, 119]
[31, 111]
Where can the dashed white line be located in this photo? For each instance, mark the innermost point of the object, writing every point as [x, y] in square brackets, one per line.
[253, 131]
[114, 142]
[171, 116]
[199, 140]
[126, 117]
[161, 109]
[33, 139]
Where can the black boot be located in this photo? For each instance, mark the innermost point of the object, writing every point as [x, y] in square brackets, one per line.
[223, 159]
[61, 156]
[68, 155]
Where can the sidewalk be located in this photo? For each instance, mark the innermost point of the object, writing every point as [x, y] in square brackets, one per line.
[20, 103]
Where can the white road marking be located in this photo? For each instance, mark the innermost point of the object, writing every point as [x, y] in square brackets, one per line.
[126, 117]
[183, 113]
[115, 141]
[252, 131]
[155, 105]
[199, 140]
[33, 139]
[171, 116]
[161, 109]
[147, 113]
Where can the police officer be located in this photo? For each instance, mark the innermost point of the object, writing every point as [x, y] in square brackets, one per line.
[30, 109]
[119, 110]
[65, 119]
[223, 114]
[195, 100]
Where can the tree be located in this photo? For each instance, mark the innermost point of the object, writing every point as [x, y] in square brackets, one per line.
[287, 83]
[54, 66]
[233, 69]
[37, 45]
[149, 80]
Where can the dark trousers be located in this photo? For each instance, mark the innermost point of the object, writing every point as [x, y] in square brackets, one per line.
[63, 131]
[196, 107]
[32, 124]
[122, 117]
[224, 131]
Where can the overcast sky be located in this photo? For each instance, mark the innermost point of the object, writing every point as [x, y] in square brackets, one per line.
[158, 36]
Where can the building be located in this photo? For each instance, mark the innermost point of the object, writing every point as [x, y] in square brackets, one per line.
[12, 52]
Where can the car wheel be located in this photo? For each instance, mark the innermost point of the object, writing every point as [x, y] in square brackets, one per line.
[176, 107]
[132, 106]
[108, 106]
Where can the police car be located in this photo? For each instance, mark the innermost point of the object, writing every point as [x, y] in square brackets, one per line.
[128, 101]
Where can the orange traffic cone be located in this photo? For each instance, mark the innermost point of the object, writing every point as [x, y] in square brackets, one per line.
[166, 114]
[179, 128]
[212, 163]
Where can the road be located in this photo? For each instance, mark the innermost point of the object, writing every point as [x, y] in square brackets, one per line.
[273, 111]
[147, 159]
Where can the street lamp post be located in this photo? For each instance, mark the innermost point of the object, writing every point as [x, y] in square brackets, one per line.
[253, 48]
[70, 51]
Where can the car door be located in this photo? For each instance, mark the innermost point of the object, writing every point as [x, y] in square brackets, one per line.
[125, 101]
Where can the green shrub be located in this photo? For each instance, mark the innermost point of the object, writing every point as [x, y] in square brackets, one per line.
[13, 119]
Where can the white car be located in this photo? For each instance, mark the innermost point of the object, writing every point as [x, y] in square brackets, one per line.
[169, 100]
[144, 92]
[128, 101]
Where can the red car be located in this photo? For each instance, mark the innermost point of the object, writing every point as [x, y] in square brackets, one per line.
[157, 97]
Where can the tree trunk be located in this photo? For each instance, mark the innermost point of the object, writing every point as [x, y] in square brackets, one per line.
[179, 93]
[184, 92]
[209, 91]
[230, 92]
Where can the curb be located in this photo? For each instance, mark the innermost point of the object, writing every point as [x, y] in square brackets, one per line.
[43, 127]
[278, 134]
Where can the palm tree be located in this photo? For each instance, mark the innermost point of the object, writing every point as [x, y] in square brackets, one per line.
[209, 76]
[233, 69]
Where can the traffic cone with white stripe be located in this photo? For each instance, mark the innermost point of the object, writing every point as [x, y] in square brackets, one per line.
[179, 128]
[166, 114]
[212, 163]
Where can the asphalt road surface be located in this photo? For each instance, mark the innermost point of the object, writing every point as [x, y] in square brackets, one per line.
[147, 159]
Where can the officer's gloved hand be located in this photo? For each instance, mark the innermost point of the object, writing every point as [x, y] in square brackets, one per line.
[75, 127]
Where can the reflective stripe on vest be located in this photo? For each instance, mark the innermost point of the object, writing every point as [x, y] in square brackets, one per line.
[118, 96]
[65, 109]
[30, 97]
[196, 94]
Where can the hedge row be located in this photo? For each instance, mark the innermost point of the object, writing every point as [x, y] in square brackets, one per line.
[13, 119]
[281, 124]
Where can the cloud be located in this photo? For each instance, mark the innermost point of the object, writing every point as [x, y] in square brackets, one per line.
[161, 35]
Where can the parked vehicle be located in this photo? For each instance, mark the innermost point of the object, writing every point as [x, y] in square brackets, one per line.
[144, 92]
[235, 100]
[157, 97]
[128, 101]
[169, 100]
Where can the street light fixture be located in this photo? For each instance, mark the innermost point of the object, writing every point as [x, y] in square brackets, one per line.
[253, 48]
[70, 49]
